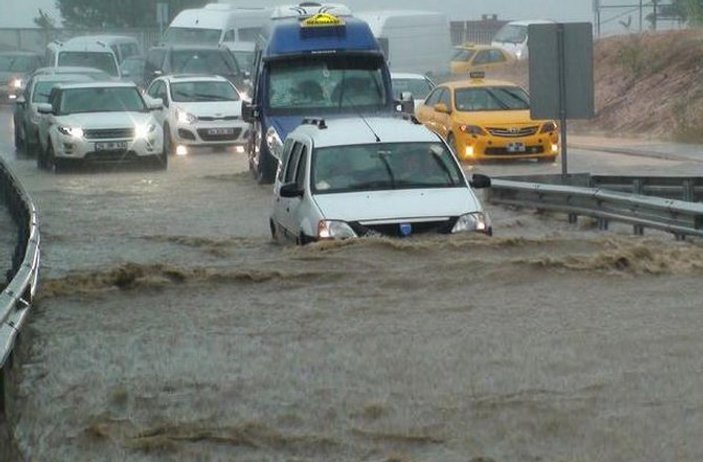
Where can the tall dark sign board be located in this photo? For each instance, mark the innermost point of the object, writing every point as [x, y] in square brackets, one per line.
[561, 74]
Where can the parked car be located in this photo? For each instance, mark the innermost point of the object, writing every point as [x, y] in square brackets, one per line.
[15, 68]
[488, 119]
[355, 177]
[202, 111]
[469, 58]
[100, 122]
[26, 117]
[132, 69]
[193, 59]
[417, 85]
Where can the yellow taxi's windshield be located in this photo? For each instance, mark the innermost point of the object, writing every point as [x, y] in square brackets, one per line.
[491, 99]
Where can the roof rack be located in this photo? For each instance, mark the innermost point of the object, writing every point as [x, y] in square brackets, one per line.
[319, 123]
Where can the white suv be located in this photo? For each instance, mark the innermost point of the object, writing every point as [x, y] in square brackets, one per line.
[354, 177]
[98, 121]
[204, 111]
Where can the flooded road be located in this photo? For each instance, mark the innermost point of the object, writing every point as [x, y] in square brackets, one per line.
[170, 327]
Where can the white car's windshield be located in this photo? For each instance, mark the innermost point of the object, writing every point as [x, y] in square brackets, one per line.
[99, 60]
[192, 36]
[419, 88]
[511, 34]
[326, 84]
[190, 92]
[491, 99]
[383, 166]
[203, 62]
[101, 99]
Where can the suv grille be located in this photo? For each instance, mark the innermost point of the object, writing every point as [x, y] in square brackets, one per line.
[212, 119]
[513, 132]
[109, 133]
[393, 229]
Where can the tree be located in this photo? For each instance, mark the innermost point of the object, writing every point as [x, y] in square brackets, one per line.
[117, 13]
[44, 21]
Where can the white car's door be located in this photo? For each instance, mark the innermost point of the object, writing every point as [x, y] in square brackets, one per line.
[282, 207]
[157, 90]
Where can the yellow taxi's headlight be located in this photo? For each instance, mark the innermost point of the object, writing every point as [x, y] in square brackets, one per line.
[473, 130]
[548, 127]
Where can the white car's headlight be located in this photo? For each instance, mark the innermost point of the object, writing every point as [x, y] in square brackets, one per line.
[478, 221]
[185, 117]
[16, 83]
[274, 143]
[142, 131]
[334, 229]
[73, 132]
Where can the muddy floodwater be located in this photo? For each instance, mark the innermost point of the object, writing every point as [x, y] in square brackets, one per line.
[169, 327]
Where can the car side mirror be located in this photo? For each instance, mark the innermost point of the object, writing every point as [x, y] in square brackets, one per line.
[249, 112]
[158, 72]
[20, 100]
[441, 107]
[45, 108]
[479, 181]
[247, 75]
[126, 74]
[290, 190]
[155, 104]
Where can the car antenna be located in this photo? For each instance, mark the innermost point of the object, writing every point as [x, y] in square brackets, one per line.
[378, 138]
[344, 97]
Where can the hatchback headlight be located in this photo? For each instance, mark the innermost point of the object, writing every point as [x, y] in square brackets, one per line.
[73, 132]
[478, 222]
[334, 229]
[548, 127]
[185, 117]
[274, 143]
[473, 130]
[142, 131]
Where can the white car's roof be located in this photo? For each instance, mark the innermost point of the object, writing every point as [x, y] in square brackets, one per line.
[527, 22]
[407, 75]
[98, 85]
[357, 130]
[194, 78]
[77, 77]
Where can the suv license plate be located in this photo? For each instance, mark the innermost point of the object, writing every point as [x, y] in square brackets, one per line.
[516, 147]
[112, 146]
[220, 131]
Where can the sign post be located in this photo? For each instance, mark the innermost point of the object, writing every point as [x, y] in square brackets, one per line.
[162, 15]
[561, 75]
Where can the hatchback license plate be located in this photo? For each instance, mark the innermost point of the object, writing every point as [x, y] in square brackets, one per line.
[111, 146]
[220, 131]
[516, 147]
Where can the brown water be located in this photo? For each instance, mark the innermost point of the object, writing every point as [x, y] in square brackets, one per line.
[170, 327]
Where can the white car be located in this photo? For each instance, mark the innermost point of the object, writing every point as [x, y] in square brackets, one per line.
[203, 111]
[101, 122]
[354, 177]
[417, 85]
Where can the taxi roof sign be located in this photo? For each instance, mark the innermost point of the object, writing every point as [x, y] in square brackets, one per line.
[323, 20]
[477, 75]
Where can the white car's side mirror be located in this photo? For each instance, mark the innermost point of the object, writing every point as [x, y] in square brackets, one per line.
[45, 108]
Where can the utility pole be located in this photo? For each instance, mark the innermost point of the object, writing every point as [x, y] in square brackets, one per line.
[641, 13]
[654, 14]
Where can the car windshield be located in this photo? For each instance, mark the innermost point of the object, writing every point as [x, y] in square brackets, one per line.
[326, 84]
[463, 55]
[15, 63]
[133, 66]
[191, 92]
[491, 99]
[191, 36]
[419, 88]
[101, 99]
[245, 59]
[42, 89]
[216, 61]
[97, 59]
[511, 33]
[376, 167]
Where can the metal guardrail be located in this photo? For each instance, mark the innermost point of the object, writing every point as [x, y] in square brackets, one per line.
[577, 198]
[23, 277]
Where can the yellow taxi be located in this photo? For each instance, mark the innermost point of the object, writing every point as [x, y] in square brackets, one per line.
[488, 120]
[471, 58]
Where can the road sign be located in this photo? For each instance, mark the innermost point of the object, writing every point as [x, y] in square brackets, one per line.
[561, 74]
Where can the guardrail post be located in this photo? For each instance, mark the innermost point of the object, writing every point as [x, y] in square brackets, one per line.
[638, 188]
[573, 218]
[688, 190]
[602, 224]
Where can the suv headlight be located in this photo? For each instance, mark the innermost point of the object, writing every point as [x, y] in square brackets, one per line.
[142, 131]
[73, 132]
[334, 229]
[185, 117]
[274, 143]
[478, 221]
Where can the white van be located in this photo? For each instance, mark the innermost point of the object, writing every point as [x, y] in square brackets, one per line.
[97, 55]
[122, 45]
[214, 24]
[512, 37]
[413, 41]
